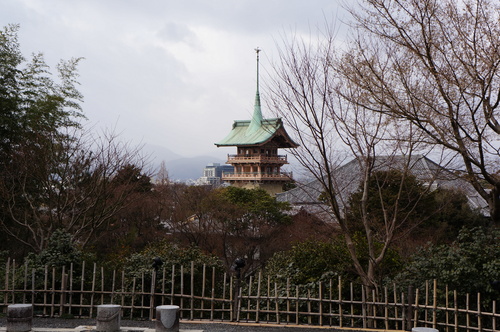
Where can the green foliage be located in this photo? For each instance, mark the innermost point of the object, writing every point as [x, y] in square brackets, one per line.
[31, 102]
[468, 265]
[131, 175]
[309, 261]
[452, 213]
[138, 263]
[313, 261]
[391, 194]
[60, 251]
[256, 204]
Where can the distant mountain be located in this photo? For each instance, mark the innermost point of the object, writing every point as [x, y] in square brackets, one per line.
[178, 167]
[159, 153]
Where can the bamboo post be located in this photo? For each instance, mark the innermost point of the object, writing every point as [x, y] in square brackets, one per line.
[45, 281]
[415, 312]
[133, 298]
[479, 322]
[62, 295]
[182, 291]
[330, 303]
[13, 281]
[434, 305]
[403, 312]
[257, 309]
[81, 288]
[102, 285]
[467, 298]
[426, 302]
[341, 310]
[276, 301]
[33, 283]
[93, 290]
[409, 313]
[268, 304]
[70, 304]
[363, 306]
[351, 290]
[297, 305]
[191, 300]
[152, 295]
[53, 292]
[447, 305]
[239, 299]
[231, 300]
[172, 288]
[122, 295]
[112, 300]
[202, 305]
[455, 301]
[142, 295]
[309, 321]
[395, 306]
[224, 283]
[163, 286]
[320, 293]
[386, 308]
[288, 300]
[25, 284]
[7, 268]
[494, 319]
[248, 298]
[212, 299]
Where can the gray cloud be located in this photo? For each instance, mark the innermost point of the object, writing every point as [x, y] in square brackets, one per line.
[170, 73]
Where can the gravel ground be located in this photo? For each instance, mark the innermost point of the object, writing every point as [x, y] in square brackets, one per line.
[184, 325]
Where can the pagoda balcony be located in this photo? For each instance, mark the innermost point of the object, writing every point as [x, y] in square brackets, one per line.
[256, 176]
[235, 159]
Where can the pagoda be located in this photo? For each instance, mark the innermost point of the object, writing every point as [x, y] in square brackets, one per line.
[257, 163]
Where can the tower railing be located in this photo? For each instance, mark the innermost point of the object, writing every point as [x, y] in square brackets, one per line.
[228, 176]
[282, 159]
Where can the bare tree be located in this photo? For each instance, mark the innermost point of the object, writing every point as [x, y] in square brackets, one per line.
[65, 183]
[435, 64]
[317, 107]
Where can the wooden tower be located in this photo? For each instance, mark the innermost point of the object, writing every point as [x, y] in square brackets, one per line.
[257, 163]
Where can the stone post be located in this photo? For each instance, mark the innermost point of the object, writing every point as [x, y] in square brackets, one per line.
[424, 329]
[19, 317]
[167, 318]
[108, 318]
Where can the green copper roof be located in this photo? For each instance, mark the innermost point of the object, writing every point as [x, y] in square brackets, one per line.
[257, 130]
[244, 134]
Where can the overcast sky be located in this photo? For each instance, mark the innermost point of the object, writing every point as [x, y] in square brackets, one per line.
[169, 73]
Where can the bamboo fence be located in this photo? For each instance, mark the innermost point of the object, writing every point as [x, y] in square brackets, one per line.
[206, 294]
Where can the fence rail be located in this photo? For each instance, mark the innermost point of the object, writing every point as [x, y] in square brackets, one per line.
[206, 294]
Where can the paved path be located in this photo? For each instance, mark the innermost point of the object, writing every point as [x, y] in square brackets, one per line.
[86, 325]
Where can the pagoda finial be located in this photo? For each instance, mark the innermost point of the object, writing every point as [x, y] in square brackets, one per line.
[257, 50]
[256, 122]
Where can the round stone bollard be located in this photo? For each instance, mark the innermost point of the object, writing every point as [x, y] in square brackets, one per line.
[167, 318]
[19, 317]
[423, 329]
[108, 318]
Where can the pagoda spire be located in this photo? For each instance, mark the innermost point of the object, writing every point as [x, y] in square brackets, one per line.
[256, 122]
